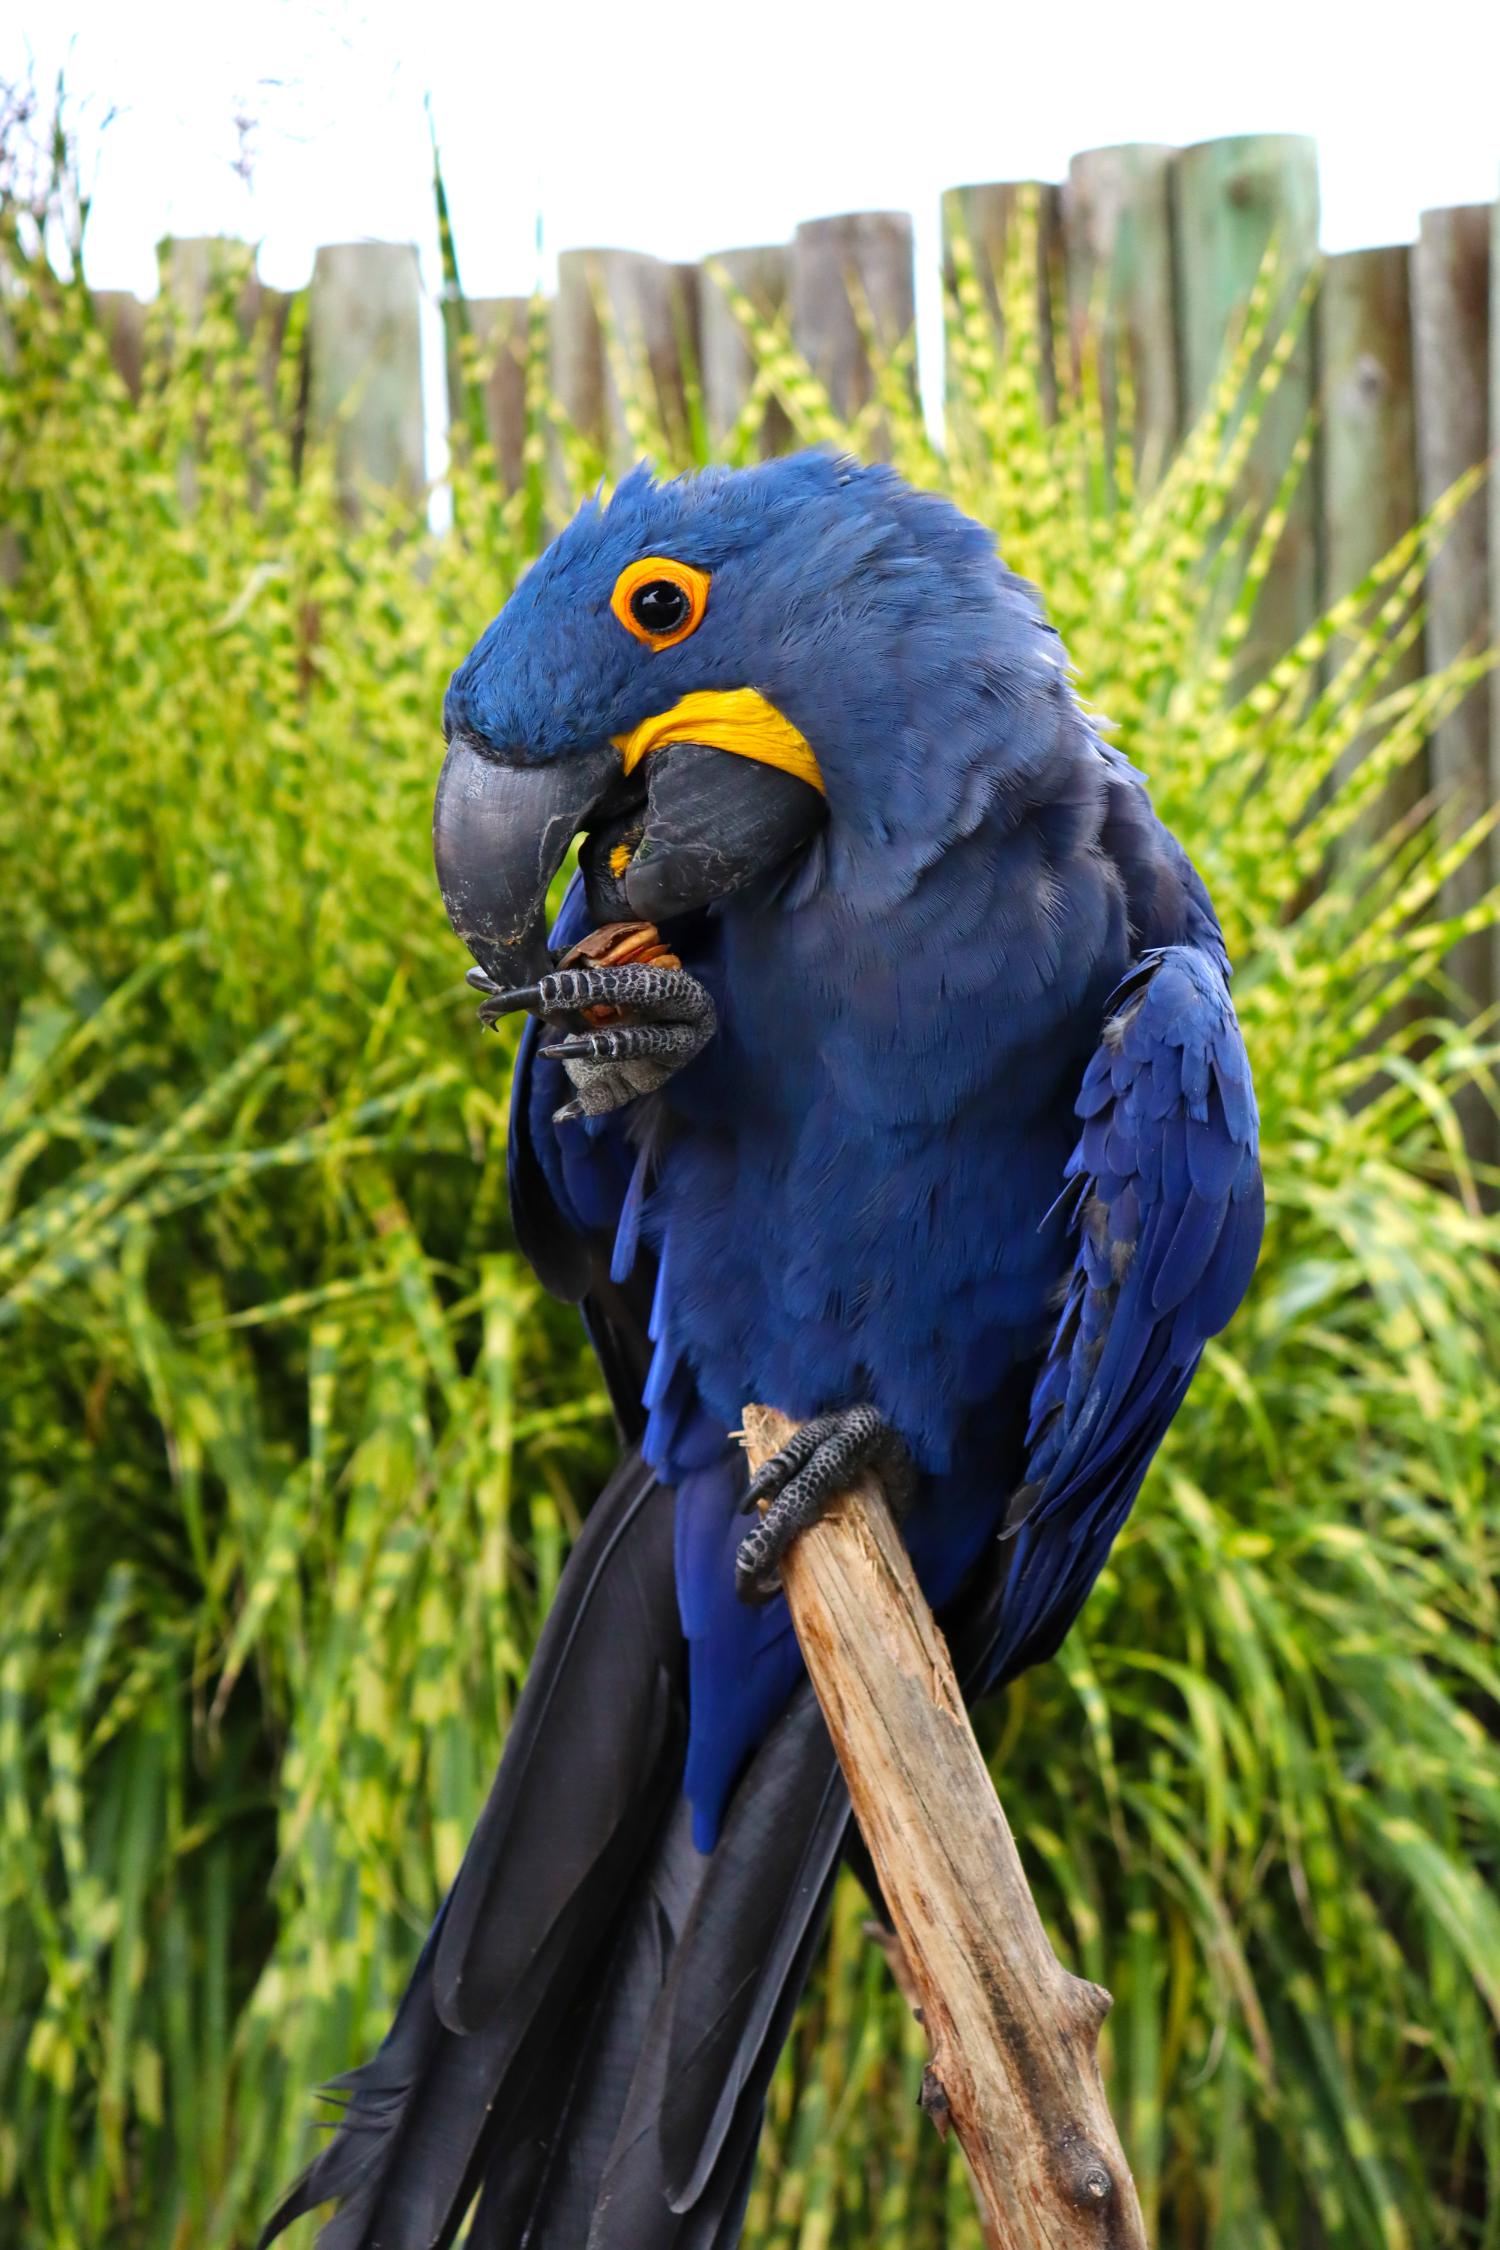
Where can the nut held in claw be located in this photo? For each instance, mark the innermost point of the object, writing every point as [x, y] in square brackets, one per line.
[615, 943]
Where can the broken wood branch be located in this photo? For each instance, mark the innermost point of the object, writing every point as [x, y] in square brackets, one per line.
[1014, 2037]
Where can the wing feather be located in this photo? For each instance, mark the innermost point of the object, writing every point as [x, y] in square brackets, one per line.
[1167, 1209]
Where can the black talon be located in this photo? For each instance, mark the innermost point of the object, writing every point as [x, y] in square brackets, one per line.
[669, 1044]
[584, 1047]
[523, 996]
[756, 1578]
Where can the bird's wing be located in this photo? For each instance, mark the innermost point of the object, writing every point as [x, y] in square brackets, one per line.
[1167, 1208]
[571, 1194]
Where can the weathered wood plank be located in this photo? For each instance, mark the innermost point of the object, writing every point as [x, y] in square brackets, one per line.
[195, 272]
[498, 328]
[762, 276]
[122, 321]
[1117, 235]
[872, 251]
[1369, 465]
[1231, 198]
[578, 346]
[652, 309]
[1014, 2068]
[191, 268]
[1450, 274]
[1367, 486]
[273, 315]
[365, 364]
[986, 211]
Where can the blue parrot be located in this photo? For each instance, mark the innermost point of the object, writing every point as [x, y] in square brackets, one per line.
[933, 1129]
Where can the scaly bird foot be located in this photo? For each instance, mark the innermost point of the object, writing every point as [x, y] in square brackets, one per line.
[672, 1020]
[817, 1461]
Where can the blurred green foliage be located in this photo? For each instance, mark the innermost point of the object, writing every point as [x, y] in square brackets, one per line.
[293, 1447]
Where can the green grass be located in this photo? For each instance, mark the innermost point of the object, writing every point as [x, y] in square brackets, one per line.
[293, 1446]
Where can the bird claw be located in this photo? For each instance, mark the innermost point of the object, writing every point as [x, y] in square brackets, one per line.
[672, 1018]
[498, 1001]
[626, 1042]
[794, 1488]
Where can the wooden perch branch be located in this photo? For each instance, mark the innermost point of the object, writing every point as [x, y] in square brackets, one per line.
[1014, 2037]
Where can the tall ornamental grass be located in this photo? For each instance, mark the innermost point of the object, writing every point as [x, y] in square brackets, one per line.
[294, 1447]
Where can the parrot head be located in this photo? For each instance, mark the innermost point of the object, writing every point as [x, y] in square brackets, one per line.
[701, 678]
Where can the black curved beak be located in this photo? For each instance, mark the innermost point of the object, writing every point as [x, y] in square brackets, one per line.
[692, 825]
[500, 832]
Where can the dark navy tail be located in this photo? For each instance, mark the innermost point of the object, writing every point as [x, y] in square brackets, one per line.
[586, 2040]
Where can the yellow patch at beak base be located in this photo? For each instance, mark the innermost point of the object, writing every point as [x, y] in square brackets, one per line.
[735, 719]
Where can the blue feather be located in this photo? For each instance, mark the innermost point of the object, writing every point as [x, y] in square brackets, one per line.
[975, 1047]
[1183, 1239]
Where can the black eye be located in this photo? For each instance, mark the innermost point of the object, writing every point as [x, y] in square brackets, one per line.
[660, 606]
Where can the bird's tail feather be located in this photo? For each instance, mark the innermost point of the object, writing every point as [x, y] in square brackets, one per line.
[588, 2034]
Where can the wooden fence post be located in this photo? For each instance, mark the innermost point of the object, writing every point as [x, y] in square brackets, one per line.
[1450, 316]
[986, 211]
[652, 308]
[1117, 229]
[1231, 198]
[122, 321]
[365, 373]
[873, 251]
[578, 347]
[761, 276]
[499, 328]
[190, 268]
[1367, 486]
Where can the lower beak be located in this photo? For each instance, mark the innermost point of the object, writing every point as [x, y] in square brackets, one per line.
[708, 823]
[715, 823]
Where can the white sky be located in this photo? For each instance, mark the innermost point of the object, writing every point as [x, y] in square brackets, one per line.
[683, 126]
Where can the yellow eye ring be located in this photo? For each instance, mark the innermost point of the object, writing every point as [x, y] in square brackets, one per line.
[660, 601]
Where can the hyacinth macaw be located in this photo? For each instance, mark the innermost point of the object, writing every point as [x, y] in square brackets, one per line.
[941, 1139]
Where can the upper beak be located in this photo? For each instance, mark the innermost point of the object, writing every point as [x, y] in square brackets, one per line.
[500, 833]
[707, 823]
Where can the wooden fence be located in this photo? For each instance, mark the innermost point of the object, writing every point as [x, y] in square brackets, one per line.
[1160, 245]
